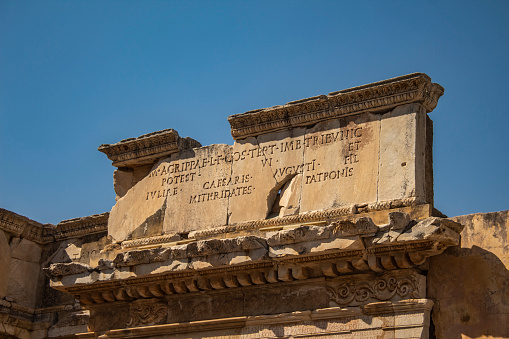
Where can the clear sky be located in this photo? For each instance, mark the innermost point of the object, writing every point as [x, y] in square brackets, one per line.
[77, 74]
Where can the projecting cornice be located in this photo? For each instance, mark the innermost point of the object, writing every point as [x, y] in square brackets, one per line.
[300, 253]
[375, 97]
[147, 148]
[21, 226]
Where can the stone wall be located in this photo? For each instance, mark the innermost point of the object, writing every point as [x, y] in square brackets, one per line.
[469, 283]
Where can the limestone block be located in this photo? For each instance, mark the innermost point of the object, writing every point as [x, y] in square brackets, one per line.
[289, 200]
[344, 243]
[26, 250]
[122, 181]
[469, 282]
[5, 263]
[402, 166]
[204, 185]
[189, 190]
[70, 323]
[141, 207]
[23, 281]
[436, 229]
[343, 156]
[69, 250]
[270, 161]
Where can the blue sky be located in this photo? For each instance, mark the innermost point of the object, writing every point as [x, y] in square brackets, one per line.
[77, 74]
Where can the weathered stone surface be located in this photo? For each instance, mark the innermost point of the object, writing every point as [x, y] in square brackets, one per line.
[363, 288]
[25, 250]
[23, 281]
[122, 181]
[469, 283]
[203, 187]
[385, 320]
[269, 164]
[343, 154]
[5, 263]
[68, 250]
[322, 208]
[402, 153]
[70, 323]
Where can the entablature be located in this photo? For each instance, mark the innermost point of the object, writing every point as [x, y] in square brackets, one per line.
[341, 248]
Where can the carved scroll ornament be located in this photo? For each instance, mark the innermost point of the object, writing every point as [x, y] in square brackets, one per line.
[147, 312]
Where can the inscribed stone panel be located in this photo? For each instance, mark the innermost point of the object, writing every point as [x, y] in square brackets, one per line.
[344, 158]
[274, 164]
[201, 188]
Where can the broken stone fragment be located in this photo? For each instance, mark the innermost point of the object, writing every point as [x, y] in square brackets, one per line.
[436, 229]
[62, 269]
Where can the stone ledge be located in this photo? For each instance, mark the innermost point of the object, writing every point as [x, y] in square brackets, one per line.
[305, 252]
[147, 148]
[41, 234]
[375, 97]
[410, 205]
[78, 227]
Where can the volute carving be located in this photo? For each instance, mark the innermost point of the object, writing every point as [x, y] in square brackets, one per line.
[147, 312]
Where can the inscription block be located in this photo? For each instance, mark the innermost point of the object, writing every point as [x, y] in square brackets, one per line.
[320, 158]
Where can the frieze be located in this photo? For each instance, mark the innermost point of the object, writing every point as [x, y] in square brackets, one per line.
[353, 322]
[145, 312]
[360, 289]
[376, 97]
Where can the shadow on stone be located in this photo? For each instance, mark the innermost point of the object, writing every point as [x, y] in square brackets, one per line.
[469, 287]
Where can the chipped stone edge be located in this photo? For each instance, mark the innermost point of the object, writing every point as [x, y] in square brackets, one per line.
[146, 148]
[308, 217]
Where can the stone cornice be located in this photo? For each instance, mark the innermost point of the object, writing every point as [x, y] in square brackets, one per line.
[79, 227]
[300, 253]
[21, 226]
[375, 97]
[41, 234]
[147, 148]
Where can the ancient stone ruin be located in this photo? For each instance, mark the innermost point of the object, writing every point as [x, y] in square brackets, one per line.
[318, 222]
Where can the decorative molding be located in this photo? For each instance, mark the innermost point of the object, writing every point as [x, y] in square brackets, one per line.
[324, 216]
[41, 234]
[29, 312]
[360, 289]
[21, 226]
[145, 312]
[306, 252]
[147, 148]
[376, 97]
[79, 227]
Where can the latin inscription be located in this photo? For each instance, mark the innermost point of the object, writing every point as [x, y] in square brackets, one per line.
[174, 176]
